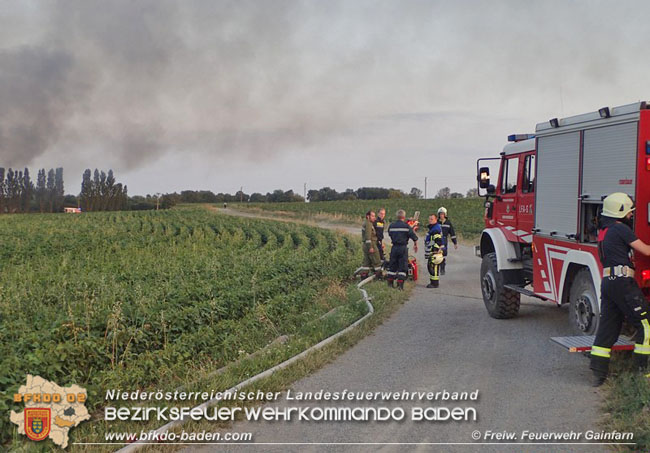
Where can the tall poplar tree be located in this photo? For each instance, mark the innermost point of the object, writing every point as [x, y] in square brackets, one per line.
[50, 186]
[41, 190]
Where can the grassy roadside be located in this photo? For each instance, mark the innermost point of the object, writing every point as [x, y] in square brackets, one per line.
[385, 301]
[627, 402]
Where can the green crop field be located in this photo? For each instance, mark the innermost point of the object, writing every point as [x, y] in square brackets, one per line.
[139, 300]
[465, 213]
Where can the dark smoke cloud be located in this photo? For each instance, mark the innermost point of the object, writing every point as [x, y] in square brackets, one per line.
[35, 98]
[136, 80]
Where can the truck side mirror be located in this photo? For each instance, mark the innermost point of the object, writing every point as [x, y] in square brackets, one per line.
[491, 190]
[484, 178]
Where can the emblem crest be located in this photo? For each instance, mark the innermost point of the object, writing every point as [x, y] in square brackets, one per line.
[37, 422]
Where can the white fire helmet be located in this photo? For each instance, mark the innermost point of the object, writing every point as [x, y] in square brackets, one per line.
[437, 258]
[617, 205]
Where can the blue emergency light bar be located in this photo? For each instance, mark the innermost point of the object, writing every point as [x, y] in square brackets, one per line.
[520, 137]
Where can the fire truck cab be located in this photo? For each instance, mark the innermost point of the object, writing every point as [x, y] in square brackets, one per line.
[542, 213]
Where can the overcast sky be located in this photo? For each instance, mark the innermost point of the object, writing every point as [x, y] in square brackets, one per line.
[272, 94]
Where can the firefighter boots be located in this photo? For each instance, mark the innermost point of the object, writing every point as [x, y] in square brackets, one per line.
[433, 284]
[390, 283]
[600, 368]
[641, 362]
[597, 380]
[400, 284]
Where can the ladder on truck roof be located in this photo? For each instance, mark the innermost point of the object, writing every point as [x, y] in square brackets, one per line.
[583, 343]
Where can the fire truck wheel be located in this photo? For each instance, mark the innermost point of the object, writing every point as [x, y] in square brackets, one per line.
[501, 303]
[583, 304]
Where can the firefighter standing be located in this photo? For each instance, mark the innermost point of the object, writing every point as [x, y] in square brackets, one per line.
[447, 230]
[371, 260]
[621, 297]
[400, 232]
[433, 252]
[379, 228]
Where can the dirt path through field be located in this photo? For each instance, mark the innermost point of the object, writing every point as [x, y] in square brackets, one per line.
[349, 229]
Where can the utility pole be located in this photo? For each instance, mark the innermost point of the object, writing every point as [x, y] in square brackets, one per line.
[304, 191]
[241, 194]
[425, 187]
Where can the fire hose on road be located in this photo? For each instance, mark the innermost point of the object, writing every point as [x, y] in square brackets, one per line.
[165, 428]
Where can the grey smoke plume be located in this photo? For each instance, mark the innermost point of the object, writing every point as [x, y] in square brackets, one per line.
[136, 80]
[35, 97]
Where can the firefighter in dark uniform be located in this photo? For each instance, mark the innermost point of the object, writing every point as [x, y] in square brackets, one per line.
[379, 229]
[433, 243]
[400, 232]
[371, 261]
[447, 231]
[621, 297]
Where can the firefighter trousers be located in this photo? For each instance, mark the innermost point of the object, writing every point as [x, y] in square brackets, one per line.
[381, 251]
[371, 261]
[621, 298]
[434, 271]
[398, 265]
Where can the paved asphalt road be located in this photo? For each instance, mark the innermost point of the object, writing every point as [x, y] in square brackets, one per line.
[443, 339]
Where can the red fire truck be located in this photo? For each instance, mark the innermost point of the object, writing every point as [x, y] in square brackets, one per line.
[541, 216]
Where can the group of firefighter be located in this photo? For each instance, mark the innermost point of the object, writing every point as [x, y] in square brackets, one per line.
[439, 230]
[621, 297]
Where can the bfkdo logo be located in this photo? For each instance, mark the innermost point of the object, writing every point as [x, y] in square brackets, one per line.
[37, 422]
[50, 410]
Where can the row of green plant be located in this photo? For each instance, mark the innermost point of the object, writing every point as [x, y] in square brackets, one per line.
[138, 300]
[465, 213]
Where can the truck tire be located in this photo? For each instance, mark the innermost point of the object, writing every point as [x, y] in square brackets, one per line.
[501, 303]
[583, 304]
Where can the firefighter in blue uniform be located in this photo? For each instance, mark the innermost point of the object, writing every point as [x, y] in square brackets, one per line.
[621, 297]
[379, 229]
[447, 231]
[400, 232]
[433, 252]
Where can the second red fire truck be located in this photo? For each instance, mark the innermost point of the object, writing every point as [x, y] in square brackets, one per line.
[541, 217]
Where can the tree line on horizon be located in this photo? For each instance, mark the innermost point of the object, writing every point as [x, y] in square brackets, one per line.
[19, 194]
[101, 192]
[379, 193]
[279, 196]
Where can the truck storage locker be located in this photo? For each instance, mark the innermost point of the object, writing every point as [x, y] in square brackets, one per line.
[556, 205]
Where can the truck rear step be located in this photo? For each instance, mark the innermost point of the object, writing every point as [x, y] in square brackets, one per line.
[582, 343]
